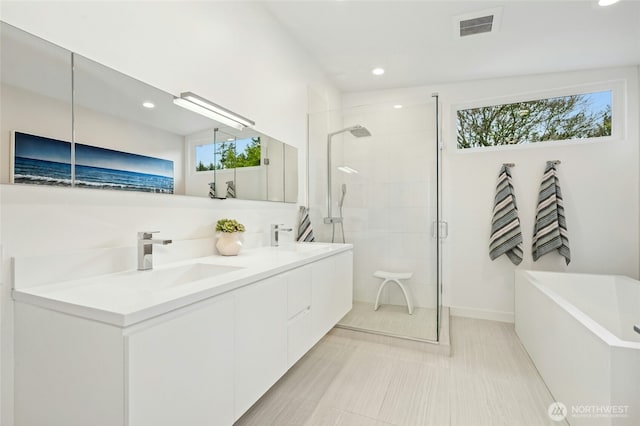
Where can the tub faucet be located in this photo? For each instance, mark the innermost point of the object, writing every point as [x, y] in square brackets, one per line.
[145, 249]
[275, 233]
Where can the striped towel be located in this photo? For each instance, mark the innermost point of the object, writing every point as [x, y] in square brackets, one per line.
[550, 229]
[231, 189]
[506, 237]
[305, 233]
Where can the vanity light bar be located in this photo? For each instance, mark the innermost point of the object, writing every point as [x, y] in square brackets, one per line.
[207, 108]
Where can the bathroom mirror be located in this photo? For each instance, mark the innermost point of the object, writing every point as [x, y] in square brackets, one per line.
[129, 135]
[35, 98]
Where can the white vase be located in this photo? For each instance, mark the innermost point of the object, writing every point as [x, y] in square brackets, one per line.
[229, 243]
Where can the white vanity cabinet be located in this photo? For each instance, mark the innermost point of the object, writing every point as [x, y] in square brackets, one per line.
[205, 363]
[261, 340]
[177, 370]
[332, 295]
[172, 370]
[299, 318]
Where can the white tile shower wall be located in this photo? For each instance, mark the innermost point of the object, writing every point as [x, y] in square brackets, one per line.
[599, 183]
[320, 125]
[389, 203]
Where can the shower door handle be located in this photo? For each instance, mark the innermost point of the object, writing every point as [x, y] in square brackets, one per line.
[443, 229]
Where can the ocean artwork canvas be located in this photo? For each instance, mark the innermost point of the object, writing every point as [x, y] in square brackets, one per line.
[39, 160]
[103, 168]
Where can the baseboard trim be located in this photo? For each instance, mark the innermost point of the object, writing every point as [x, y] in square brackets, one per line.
[458, 311]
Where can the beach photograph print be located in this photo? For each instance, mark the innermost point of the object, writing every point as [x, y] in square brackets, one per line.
[41, 161]
[102, 168]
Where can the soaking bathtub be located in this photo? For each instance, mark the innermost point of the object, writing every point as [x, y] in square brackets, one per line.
[579, 331]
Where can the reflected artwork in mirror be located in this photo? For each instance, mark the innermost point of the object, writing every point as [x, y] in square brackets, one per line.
[40, 161]
[115, 113]
[101, 168]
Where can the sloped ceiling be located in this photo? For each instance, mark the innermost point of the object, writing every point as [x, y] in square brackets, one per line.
[415, 41]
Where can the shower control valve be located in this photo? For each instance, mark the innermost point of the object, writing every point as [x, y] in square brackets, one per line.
[331, 220]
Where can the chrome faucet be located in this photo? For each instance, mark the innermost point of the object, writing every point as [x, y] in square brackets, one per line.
[145, 249]
[275, 233]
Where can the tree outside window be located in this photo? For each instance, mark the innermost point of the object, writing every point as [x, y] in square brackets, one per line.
[568, 117]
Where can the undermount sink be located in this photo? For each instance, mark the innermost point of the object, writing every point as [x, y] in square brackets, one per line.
[164, 278]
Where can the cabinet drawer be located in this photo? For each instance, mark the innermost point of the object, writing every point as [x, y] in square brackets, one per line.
[299, 336]
[298, 291]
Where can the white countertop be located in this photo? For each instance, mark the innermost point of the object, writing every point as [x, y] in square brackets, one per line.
[126, 298]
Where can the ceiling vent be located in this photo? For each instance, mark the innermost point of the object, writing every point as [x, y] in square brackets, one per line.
[476, 26]
[480, 22]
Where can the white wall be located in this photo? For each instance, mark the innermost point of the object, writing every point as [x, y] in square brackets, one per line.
[599, 183]
[233, 53]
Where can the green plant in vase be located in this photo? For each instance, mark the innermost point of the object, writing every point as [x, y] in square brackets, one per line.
[229, 242]
[229, 225]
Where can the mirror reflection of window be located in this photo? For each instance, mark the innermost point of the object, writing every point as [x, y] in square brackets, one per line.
[224, 150]
[225, 154]
[248, 152]
[205, 157]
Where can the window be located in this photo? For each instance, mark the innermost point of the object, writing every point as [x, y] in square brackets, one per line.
[580, 116]
[229, 154]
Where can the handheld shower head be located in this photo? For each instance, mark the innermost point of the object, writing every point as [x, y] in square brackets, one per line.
[344, 193]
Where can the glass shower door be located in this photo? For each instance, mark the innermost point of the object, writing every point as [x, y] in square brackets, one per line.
[384, 198]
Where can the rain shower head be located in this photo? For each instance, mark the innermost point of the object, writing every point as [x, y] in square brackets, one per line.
[358, 131]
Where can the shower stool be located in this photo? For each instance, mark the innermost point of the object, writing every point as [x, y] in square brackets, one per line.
[393, 277]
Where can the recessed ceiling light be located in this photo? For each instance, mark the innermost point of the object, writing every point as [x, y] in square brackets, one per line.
[607, 2]
[148, 104]
[230, 139]
[398, 106]
[377, 71]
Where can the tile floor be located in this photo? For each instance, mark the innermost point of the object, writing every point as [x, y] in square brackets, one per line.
[393, 319]
[488, 380]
